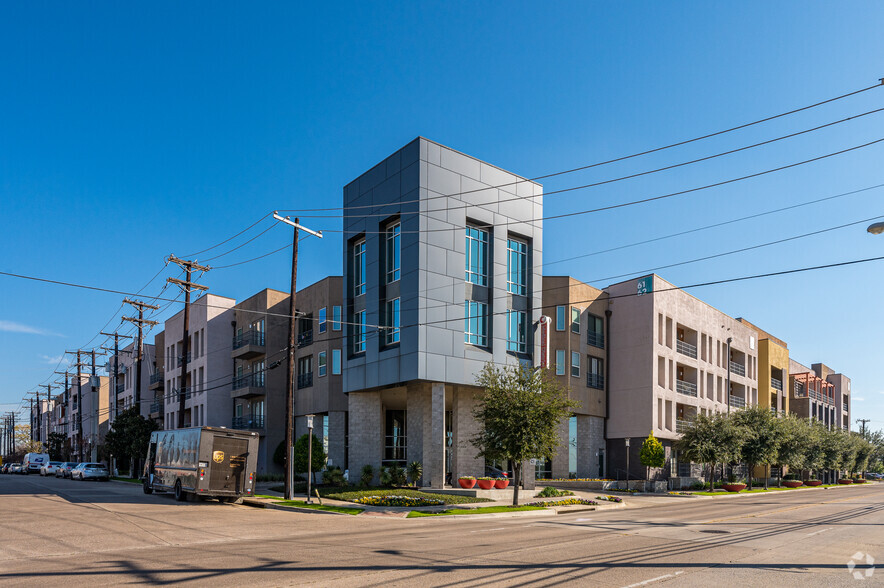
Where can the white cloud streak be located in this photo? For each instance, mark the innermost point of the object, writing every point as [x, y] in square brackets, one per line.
[14, 327]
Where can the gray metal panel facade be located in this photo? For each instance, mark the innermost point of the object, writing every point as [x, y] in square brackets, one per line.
[435, 191]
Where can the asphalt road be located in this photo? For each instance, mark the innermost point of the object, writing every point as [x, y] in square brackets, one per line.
[58, 532]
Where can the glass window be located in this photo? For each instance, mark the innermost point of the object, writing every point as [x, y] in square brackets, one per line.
[516, 332]
[393, 260]
[476, 256]
[595, 334]
[392, 315]
[560, 362]
[476, 323]
[395, 437]
[560, 318]
[321, 364]
[336, 318]
[575, 364]
[359, 268]
[516, 267]
[359, 332]
[322, 317]
[572, 447]
[595, 372]
[575, 319]
[336, 362]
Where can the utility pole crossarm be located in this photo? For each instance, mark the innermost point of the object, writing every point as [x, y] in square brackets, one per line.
[287, 220]
[192, 265]
[190, 286]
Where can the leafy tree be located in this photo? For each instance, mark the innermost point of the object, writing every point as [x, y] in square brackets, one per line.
[834, 450]
[711, 439]
[129, 437]
[761, 438]
[300, 460]
[794, 441]
[652, 454]
[415, 471]
[519, 412]
[58, 447]
[814, 451]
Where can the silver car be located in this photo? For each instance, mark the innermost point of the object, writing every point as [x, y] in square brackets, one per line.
[90, 471]
[50, 468]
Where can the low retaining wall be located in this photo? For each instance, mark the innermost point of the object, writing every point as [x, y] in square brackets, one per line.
[476, 492]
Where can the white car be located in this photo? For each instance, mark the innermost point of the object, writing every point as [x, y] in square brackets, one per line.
[50, 468]
[90, 471]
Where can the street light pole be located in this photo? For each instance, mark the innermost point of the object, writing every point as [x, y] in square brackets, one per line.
[290, 384]
[309, 455]
[728, 360]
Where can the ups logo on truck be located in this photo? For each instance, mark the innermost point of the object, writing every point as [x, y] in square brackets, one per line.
[218, 456]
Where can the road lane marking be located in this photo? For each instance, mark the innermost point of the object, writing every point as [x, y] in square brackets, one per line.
[818, 532]
[657, 579]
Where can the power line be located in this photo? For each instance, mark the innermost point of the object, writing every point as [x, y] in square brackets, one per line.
[229, 238]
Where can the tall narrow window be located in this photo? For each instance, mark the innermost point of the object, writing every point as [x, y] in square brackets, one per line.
[359, 268]
[595, 372]
[476, 256]
[572, 446]
[322, 363]
[392, 316]
[336, 318]
[336, 362]
[560, 362]
[516, 267]
[322, 319]
[393, 261]
[560, 318]
[575, 364]
[516, 332]
[359, 332]
[595, 334]
[475, 323]
[575, 319]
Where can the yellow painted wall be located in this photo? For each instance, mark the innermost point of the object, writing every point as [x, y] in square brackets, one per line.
[771, 354]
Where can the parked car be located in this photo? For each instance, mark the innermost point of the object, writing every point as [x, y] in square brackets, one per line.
[64, 470]
[4, 468]
[15, 468]
[90, 471]
[50, 468]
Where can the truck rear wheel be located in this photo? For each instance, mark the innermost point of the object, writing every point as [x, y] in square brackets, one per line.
[180, 494]
[148, 489]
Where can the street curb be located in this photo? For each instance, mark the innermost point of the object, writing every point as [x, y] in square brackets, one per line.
[260, 504]
[545, 512]
[736, 494]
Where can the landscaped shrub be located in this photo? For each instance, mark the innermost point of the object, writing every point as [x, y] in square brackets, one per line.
[610, 498]
[367, 475]
[415, 472]
[791, 477]
[699, 486]
[384, 476]
[333, 476]
[550, 492]
[353, 495]
[563, 502]
[398, 500]
[397, 476]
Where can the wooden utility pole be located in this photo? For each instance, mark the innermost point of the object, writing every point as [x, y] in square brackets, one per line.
[863, 423]
[187, 286]
[290, 384]
[116, 351]
[140, 322]
[79, 353]
[48, 402]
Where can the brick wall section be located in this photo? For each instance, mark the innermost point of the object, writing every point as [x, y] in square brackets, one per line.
[560, 464]
[434, 437]
[415, 424]
[465, 462]
[336, 432]
[366, 432]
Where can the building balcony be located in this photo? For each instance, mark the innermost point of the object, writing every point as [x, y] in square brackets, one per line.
[596, 381]
[737, 401]
[686, 348]
[177, 392]
[738, 368]
[156, 381]
[305, 338]
[156, 409]
[686, 388]
[120, 388]
[248, 422]
[248, 344]
[595, 339]
[681, 425]
[776, 384]
[181, 360]
[248, 386]
[305, 380]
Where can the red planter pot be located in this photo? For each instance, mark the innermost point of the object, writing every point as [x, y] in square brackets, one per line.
[844, 481]
[792, 483]
[813, 483]
[733, 487]
[466, 484]
[501, 484]
[486, 484]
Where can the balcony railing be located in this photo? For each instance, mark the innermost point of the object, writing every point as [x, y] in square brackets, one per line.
[157, 378]
[738, 368]
[687, 388]
[248, 422]
[595, 339]
[686, 348]
[305, 338]
[181, 360]
[156, 406]
[681, 425]
[176, 394]
[120, 388]
[250, 337]
[776, 384]
[249, 381]
[305, 380]
[595, 381]
[738, 401]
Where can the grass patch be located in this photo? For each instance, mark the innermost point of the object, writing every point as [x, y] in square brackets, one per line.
[130, 480]
[771, 489]
[352, 495]
[469, 511]
[302, 504]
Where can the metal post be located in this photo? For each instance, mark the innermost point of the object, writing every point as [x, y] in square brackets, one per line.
[627, 463]
[309, 455]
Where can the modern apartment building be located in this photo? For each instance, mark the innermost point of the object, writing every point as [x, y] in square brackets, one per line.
[841, 394]
[441, 274]
[87, 414]
[207, 384]
[155, 399]
[577, 352]
[669, 362]
[126, 390]
[259, 353]
[773, 371]
[818, 392]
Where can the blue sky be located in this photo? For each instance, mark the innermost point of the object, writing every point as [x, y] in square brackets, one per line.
[132, 132]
